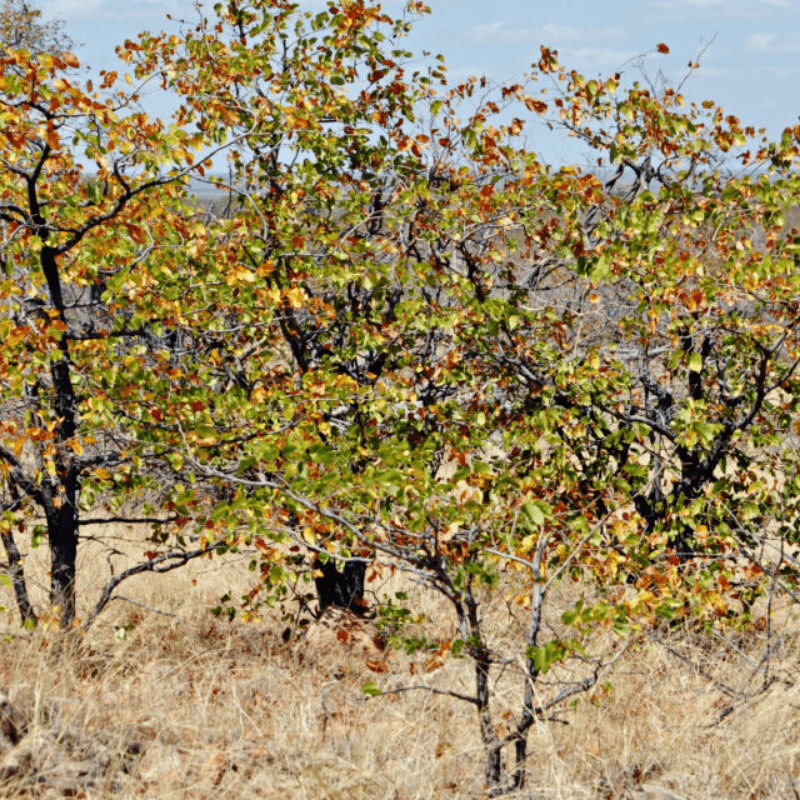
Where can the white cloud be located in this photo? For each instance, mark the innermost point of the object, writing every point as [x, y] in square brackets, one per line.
[70, 10]
[720, 10]
[772, 43]
[509, 32]
[559, 32]
[784, 73]
[598, 58]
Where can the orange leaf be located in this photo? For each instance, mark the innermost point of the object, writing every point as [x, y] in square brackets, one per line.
[71, 59]
[433, 664]
[51, 137]
[535, 105]
[662, 48]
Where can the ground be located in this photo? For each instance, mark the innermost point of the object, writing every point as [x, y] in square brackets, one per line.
[186, 705]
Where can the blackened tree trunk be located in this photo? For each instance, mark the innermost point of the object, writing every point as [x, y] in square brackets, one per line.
[61, 493]
[342, 589]
[62, 532]
[16, 572]
[16, 569]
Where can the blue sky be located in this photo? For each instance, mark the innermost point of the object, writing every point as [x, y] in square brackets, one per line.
[752, 68]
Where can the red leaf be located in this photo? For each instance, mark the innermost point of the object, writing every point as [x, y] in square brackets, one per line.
[662, 48]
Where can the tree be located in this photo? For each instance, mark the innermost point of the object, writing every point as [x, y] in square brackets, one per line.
[677, 362]
[83, 308]
[339, 314]
[601, 385]
[22, 26]
[410, 345]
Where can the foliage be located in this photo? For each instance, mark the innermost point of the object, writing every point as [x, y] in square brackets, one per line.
[84, 312]
[23, 25]
[409, 341]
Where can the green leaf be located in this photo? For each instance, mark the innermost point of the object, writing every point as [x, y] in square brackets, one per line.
[696, 362]
[569, 617]
[175, 460]
[544, 657]
[371, 689]
[534, 513]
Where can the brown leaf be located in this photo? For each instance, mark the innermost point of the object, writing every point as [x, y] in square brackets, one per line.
[433, 664]
[662, 48]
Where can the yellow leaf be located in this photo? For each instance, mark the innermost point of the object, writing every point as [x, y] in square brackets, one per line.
[295, 297]
[76, 446]
[239, 274]
[258, 395]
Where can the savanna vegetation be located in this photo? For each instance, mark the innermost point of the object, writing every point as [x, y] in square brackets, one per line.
[534, 426]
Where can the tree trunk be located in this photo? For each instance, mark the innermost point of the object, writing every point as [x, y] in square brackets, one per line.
[62, 506]
[492, 746]
[62, 532]
[17, 574]
[342, 589]
[482, 658]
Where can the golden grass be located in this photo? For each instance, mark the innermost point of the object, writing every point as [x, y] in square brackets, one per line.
[194, 707]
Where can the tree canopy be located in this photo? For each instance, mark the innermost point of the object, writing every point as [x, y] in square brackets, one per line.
[408, 342]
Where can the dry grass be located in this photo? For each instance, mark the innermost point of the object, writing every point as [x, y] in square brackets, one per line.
[192, 707]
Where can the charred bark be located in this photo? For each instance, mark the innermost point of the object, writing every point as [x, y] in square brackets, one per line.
[342, 589]
[61, 508]
[62, 532]
[16, 572]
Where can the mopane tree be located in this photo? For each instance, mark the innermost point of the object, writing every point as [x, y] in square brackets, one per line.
[22, 24]
[299, 282]
[676, 351]
[433, 352]
[341, 395]
[83, 311]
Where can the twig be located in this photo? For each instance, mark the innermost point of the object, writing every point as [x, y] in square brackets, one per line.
[125, 520]
[145, 606]
[721, 686]
[160, 564]
[736, 706]
[432, 690]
